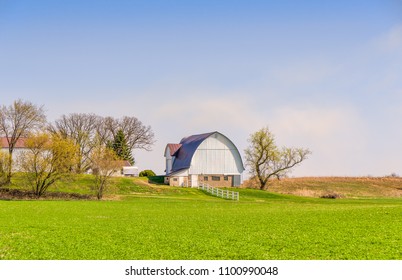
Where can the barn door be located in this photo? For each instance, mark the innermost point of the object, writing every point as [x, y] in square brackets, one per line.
[194, 180]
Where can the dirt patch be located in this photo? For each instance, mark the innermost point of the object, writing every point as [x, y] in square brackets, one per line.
[14, 194]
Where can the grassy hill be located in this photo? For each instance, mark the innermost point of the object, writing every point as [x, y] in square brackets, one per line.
[339, 187]
[344, 187]
[139, 221]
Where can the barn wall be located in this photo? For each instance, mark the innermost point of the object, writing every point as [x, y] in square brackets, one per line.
[169, 160]
[216, 155]
[16, 154]
[216, 180]
[178, 179]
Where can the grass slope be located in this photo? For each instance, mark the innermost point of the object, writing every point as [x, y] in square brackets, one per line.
[347, 187]
[159, 222]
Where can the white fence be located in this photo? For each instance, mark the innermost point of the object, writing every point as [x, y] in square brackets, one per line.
[219, 192]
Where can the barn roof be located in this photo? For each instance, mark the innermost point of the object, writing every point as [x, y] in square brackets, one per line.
[173, 148]
[187, 149]
[4, 144]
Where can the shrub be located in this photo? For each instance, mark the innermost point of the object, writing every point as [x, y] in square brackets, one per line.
[147, 173]
[331, 196]
[156, 179]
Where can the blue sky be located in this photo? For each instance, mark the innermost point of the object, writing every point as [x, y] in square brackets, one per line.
[321, 74]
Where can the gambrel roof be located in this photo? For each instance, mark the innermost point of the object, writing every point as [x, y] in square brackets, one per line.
[186, 149]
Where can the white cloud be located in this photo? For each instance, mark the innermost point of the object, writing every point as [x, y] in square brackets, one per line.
[336, 136]
[200, 112]
[392, 40]
[313, 121]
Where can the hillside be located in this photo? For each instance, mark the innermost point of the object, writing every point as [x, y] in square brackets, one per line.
[142, 221]
[339, 187]
[344, 187]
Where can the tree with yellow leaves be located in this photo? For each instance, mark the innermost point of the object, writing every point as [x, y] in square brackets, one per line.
[48, 159]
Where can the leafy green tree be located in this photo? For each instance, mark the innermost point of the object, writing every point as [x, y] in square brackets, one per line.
[121, 148]
[265, 160]
[147, 173]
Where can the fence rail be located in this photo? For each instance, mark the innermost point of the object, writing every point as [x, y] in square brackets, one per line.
[218, 192]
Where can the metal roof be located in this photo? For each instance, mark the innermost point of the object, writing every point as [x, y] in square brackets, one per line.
[188, 147]
[173, 148]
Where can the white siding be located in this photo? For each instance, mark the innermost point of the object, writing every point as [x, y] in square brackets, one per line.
[16, 154]
[169, 160]
[216, 155]
[181, 173]
[168, 165]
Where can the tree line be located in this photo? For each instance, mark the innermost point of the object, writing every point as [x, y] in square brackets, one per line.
[73, 143]
[79, 142]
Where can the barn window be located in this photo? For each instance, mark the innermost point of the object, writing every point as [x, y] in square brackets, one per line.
[175, 179]
[205, 178]
[216, 178]
[226, 178]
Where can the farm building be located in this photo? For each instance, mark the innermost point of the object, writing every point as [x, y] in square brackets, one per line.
[209, 158]
[20, 145]
[18, 148]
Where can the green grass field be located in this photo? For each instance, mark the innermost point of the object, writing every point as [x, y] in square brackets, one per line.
[146, 221]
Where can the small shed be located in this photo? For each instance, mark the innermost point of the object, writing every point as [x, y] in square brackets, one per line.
[131, 171]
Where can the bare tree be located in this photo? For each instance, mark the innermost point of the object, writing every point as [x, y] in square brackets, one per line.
[84, 128]
[81, 128]
[17, 121]
[265, 160]
[106, 128]
[138, 135]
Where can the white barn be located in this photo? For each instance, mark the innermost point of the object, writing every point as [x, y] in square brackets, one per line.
[18, 149]
[204, 158]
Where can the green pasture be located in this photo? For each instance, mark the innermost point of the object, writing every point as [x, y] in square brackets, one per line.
[168, 223]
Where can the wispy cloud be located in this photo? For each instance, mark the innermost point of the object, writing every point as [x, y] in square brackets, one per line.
[392, 40]
[336, 136]
[205, 112]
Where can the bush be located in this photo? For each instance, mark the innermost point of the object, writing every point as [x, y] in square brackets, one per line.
[147, 173]
[331, 195]
[156, 179]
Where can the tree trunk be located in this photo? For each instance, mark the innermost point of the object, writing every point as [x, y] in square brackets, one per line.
[9, 171]
[263, 183]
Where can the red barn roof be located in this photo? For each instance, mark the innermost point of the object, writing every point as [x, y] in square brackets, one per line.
[173, 148]
[4, 143]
